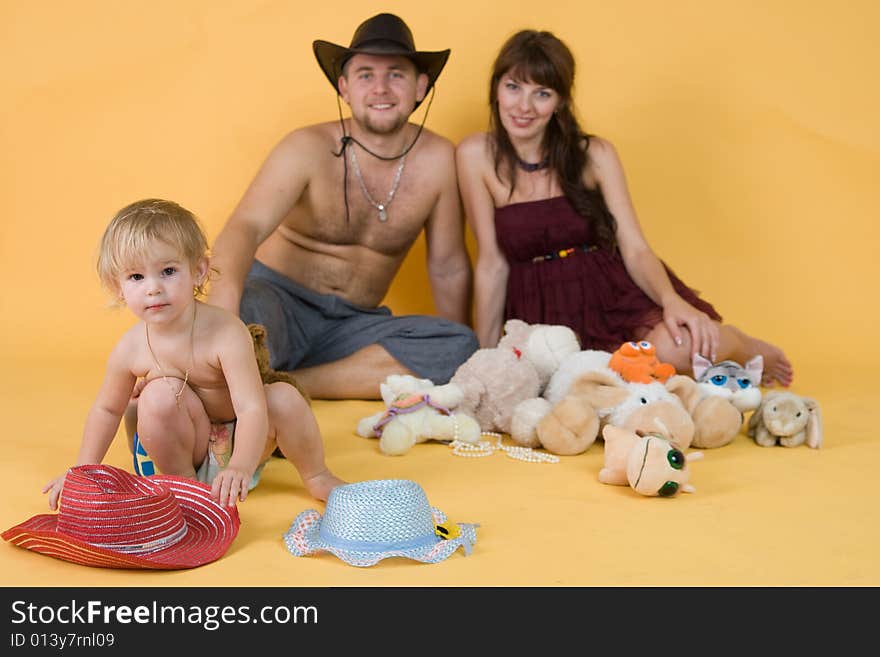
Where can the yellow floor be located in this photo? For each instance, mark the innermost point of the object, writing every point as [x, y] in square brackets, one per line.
[759, 516]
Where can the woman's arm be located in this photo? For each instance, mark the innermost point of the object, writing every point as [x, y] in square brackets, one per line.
[641, 263]
[491, 270]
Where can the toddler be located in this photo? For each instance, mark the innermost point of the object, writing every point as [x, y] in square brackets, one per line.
[199, 382]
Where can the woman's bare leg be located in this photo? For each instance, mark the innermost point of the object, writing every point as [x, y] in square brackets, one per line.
[734, 345]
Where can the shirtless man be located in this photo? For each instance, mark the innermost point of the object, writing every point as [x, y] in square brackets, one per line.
[319, 235]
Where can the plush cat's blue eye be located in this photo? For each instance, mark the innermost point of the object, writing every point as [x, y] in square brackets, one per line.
[634, 345]
[645, 344]
[744, 383]
[719, 379]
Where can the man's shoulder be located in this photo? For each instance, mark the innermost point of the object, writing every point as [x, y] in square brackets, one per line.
[435, 144]
[315, 136]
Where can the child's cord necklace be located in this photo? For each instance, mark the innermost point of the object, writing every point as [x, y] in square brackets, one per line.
[192, 356]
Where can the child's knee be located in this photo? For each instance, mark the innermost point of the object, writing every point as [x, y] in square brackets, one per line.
[157, 402]
[283, 400]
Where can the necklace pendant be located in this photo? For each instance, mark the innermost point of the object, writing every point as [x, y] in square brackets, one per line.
[383, 215]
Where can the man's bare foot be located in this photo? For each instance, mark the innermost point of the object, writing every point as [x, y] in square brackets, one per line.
[777, 368]
[320, 485]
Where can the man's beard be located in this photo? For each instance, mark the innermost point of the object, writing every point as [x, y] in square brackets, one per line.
[385, 127]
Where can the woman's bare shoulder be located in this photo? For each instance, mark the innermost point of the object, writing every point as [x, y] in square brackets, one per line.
[602, 151]
[475, 146]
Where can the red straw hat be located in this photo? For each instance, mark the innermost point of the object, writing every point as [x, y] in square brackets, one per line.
[111, 518]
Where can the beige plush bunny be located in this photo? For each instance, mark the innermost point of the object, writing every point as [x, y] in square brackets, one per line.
[788, 418]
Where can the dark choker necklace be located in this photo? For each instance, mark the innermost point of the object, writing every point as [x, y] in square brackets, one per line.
[530, 167]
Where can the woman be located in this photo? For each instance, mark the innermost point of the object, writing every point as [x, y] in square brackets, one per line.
[557, 235]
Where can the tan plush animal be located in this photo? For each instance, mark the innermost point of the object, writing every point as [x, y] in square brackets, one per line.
[601, 397]
[788, 419]
[651, 464]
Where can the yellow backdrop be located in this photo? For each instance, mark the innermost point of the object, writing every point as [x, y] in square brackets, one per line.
[748, 130]
[750, 136]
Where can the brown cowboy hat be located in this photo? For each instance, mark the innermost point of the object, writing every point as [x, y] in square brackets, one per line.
[383, 34]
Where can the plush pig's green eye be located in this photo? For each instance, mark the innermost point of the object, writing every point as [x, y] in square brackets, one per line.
[668, 489]
[675, 458]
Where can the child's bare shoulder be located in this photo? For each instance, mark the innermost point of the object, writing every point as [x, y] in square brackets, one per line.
[222, 326]
[129, 350]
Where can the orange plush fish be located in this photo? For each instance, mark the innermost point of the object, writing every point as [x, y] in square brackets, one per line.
[637, 362]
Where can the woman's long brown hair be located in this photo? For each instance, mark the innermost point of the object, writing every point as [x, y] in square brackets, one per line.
[542, 58]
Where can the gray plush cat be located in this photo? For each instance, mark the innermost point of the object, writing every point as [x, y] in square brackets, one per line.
[731, 380]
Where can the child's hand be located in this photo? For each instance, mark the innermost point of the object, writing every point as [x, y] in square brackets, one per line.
[54, 489]
[230, 484]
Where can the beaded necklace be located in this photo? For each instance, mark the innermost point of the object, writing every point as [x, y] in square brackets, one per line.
[533, 166]
[192, 357]
[487, 448]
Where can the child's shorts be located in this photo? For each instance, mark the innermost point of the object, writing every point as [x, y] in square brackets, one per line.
[220, 444]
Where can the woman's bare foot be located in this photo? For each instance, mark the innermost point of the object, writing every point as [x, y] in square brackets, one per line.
[777, 368]
[320, 485]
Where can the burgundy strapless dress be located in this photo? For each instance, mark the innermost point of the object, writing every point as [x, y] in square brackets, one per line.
[588, 290]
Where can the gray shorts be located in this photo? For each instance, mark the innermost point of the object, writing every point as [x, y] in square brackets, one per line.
[304, 329]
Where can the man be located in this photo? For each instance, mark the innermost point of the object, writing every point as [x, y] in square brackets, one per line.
[319, 235]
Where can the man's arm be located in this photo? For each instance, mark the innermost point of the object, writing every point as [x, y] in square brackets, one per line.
[276, 188]
[449, 267]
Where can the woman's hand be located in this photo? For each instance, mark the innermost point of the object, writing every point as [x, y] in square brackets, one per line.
[705, 335]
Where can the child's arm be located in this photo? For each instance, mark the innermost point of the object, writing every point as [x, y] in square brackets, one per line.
[236, 351]
[104, 416]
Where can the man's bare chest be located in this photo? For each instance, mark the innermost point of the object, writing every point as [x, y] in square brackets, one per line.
[349, 210]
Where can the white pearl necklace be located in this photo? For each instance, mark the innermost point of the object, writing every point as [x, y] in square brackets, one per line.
[486, 448]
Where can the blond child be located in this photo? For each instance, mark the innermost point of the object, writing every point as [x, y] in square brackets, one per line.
[193, 363]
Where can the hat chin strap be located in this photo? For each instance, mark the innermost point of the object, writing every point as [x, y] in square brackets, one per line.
[347, 139]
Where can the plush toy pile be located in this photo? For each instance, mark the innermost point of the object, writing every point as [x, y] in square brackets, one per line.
[542, 390]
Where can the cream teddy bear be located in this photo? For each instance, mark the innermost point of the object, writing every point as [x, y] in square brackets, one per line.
[416, 411]
[495, 380]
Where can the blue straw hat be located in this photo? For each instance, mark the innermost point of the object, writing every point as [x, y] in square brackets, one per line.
[368, 521]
